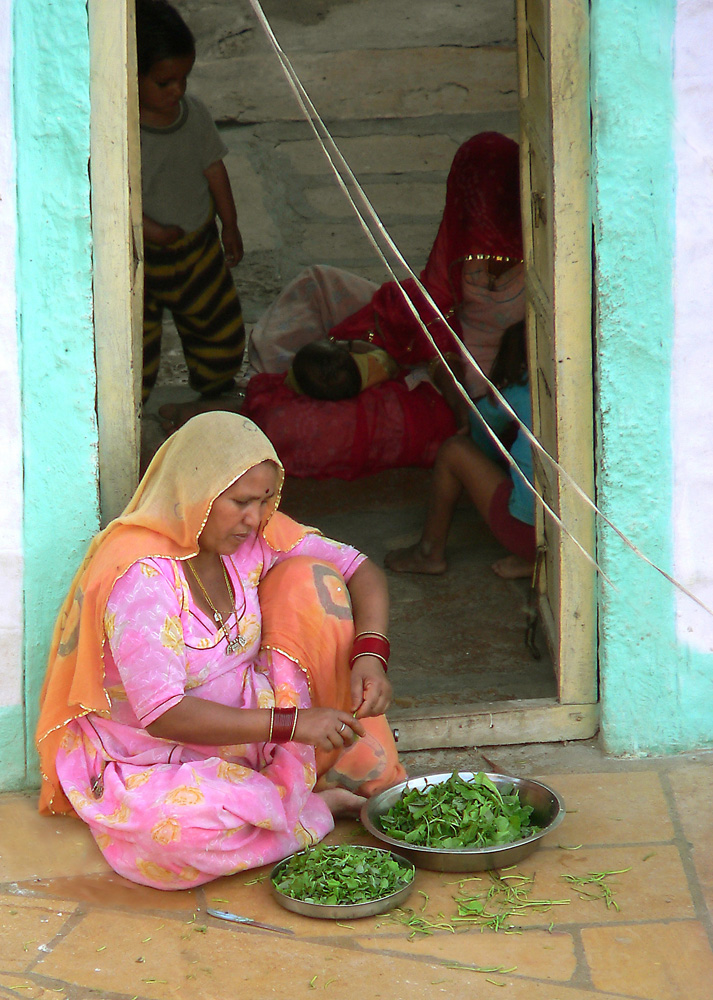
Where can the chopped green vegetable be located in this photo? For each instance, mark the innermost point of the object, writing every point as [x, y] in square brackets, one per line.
[501, 904]
[597, 880]
[342, 875]
[459, 813]
[419, 925]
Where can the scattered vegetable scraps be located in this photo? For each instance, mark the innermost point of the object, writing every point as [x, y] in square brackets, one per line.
[342, 875]
[599, 886]
[459, 813]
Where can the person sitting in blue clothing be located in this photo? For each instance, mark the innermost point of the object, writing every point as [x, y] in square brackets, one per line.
[474, 464]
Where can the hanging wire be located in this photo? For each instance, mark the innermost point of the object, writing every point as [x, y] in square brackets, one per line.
[327, 143]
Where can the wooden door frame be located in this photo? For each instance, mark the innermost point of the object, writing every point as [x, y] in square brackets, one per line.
[571, 625]
[118, 248]
[567, 601]
[118, 288]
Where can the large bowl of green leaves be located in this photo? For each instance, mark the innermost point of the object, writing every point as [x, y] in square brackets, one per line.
[341, 882]
[464, 821]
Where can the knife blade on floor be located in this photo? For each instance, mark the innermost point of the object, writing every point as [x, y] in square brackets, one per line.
[237, 919]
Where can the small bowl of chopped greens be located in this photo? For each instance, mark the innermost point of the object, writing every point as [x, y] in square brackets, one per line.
[464, 821]
[342, 882]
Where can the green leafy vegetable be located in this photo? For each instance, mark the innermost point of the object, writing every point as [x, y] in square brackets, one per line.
[459, 813]
[600, 888]
[507, 899]
[341, 875]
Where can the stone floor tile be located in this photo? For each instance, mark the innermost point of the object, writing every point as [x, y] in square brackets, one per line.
[655, 888]
[538, 954]
[651, 961]
[26, 928]
[691, 790]
[361, 85]
[23, 986]
[35, 846]
[611, 808]
[376, 154]
[125, 953]
[111, 890]
[101, 953]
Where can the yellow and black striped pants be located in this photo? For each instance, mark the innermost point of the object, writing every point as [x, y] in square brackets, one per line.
[191, 279]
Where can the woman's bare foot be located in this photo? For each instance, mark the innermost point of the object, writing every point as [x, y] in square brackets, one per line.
[174, 415]
[342, 802]
[414, 560]
[513, 568]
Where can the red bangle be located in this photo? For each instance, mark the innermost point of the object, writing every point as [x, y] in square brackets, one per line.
[371, 644]
[283, 725]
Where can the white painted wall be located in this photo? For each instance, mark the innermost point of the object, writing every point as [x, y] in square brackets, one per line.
[692, 389]
[11, 559]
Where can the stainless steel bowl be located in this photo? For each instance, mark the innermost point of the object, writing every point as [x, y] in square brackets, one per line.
[344, 911]
[548, 813]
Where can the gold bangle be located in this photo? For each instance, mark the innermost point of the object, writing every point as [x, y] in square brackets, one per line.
[294, 725]
[272, 723]
[368, 653]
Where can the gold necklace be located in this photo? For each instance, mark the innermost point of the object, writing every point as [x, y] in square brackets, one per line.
[239, 641]
[496, 258]
[499, 258]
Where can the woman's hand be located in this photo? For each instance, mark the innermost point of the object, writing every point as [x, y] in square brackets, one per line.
[371, 689]
[326, 728]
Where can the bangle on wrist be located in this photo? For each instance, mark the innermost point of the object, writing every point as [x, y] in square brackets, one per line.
[385, 663]
[371, 644]
[284, 723]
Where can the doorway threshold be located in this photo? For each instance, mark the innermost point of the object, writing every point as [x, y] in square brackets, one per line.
[536, 720]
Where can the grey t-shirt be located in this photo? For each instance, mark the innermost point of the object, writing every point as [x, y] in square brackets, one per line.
[175, 191]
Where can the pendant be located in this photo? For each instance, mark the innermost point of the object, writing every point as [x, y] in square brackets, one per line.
[233, 645]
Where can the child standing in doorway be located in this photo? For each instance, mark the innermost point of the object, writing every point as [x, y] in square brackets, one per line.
[184, 185]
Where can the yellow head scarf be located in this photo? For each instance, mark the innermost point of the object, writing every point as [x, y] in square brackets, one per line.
[164, 518]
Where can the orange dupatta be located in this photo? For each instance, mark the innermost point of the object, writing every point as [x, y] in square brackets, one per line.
[164, 518]
[315, 630]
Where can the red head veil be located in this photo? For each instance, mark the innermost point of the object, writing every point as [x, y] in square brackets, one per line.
[482, 215]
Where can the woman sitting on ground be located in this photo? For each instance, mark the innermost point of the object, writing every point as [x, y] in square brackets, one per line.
[475, 465]
[199, 712]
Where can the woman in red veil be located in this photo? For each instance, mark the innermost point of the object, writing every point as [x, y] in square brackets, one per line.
[474, 274]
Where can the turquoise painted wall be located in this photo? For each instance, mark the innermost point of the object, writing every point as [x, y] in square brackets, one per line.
[656, 694]
[54, 292]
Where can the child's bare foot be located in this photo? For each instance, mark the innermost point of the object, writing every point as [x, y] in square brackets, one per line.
[414, 560]
[342, 802]
[174, 415]
[513, 568]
